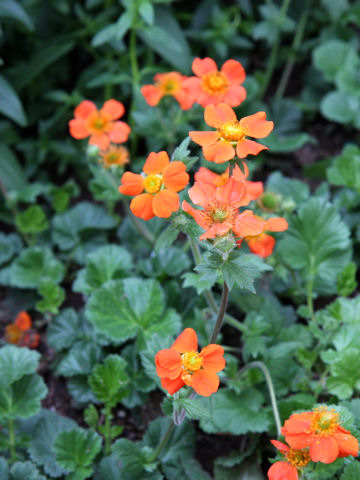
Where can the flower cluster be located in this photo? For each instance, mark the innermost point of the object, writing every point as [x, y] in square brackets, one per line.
[20, 332]
[311, 436]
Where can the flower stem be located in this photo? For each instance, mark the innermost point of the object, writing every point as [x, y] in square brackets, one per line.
[12, 441]
[162, 443]
[140, 227]
[107, 429]
[310, 286]
[271, 390]
[221, 313]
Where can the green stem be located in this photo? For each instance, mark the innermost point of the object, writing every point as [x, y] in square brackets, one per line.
[140, 227]
[221, 313]
[271, 390]
[108, 88]
[107, 429]
[310, 286]
[162, 443]
[135, 77]
[12, 441]
[294, 47]
[274, 52]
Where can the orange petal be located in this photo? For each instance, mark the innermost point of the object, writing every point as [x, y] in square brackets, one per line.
[172, 386]
[246, 224]
[234, 72]
[156, 163]
[262, 245]
[84, 109]
[297, 423]
[204, 175]
[216, 115]
[168, 364]
[220, 152]
[113, 109]
[152, 94]
[324, 449]
[282, 471]
[202, 66]
[185, 98]
[141, 206]
[132, 184]
[282, 447]
[186, 341]
[205, 99]
[202, 194]
[192, 86]
[240, 175]
[205, 382]
[348, 445]
[101, 140]
[213, 358]
[256, 126]
[248, 147]
[276, 224]
[234, 96]
[119, 132]
[254, 189]
[204, 138]
[233, 192]
[175, 177]
[23, 321]
[165, 203]
[78, 129]
[196, 214]
[216, 230]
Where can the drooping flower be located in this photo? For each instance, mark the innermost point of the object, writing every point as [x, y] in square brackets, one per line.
[102, 126]
[321, 431]
[230, 137]
[168, 84]
[161, 180]
[220, 209]
[19, 332]
[254, 189]
[182, 364]
[294, 460]
[263, 244]
[114, 156]
[211, 86]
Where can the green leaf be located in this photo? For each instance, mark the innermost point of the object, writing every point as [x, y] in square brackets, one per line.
[4, 469]
[91, 416]
[289, 188]
[11, 173]
[10, 104]
[154, 343]
[346, 281]
[14, 11]
[182, 153]
[185, 468]
[345, 169]
[80, 360]
[243, 269]
[9, 245]
[32, 220]
[340, 107]
[63, 330]
[197, 281]
[109, 380]
[345, 375]
[123, 309]
[171, 261]
[335, 8]
[34, 266]
[351, 472]
[16, 362]
[106, 263]
[109, 469]
[114, 32]
[146, 11]
[131, 459]
[166, 238]
[69, 226]
[75, 451]
[53, 297]
[329, 57]
[25, 470]
[194, 409]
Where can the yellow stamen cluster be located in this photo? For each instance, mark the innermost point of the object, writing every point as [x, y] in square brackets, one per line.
[214, 83]
[298, 458]
[325, 421]
[170, 86]
[220, 213]
[153, 183]
[231, 132]
[115, 156]
[191, 362]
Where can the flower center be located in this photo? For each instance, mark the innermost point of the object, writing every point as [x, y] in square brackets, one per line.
[13, 334]
[215, 83]
[170, 87]
[153, 183]
[219, 215]
[325, 421]
[191, 362]
[231, 131]
[298, 458]
[98, 123]
[117, 156]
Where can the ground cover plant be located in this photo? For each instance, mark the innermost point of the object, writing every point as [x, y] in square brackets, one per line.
[179, 243]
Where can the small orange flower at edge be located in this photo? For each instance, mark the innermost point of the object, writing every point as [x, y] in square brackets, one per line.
[253, 189]
[100, 125]
[166, 84]
[321, 431]
[294, 461]
[161, 181]
[211, 86]
[230, 135]
[181, 365]
[220, 210]
[114, 156]
[19, 332]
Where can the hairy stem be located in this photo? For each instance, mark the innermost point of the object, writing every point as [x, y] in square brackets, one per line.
[271, 390]
[163, 443]
[140, 227]
[221, 313]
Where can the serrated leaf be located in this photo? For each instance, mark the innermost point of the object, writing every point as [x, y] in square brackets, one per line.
[4, 469]
[16, 362]
[109, 469]
[194, 409]
[153, 344]
[9, 245]
[185, 468]
[345, 169]
[345, 375]
[340, 107]
[76, 449]
[63, 329]
[166, 238]
[32, 220]
[197, 281]
[25, 470]
[346, 280]
[351, 472]
[123, 309]
[106, 263]
[329, 57]
[129, 456]
[80, 360]
[109, 380]
[53, 297]
[243, 270]
[91, 416]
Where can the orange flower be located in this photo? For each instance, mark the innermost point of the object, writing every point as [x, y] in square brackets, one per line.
[211, 86]
[263, 244]
[181, 365]
[161, 180]
[172, 84]
[294, 460]
[253, 189]
[99, 125]
[114, 156]
[220, 213]
[19, 332]
[321, 431]
[230, 135]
